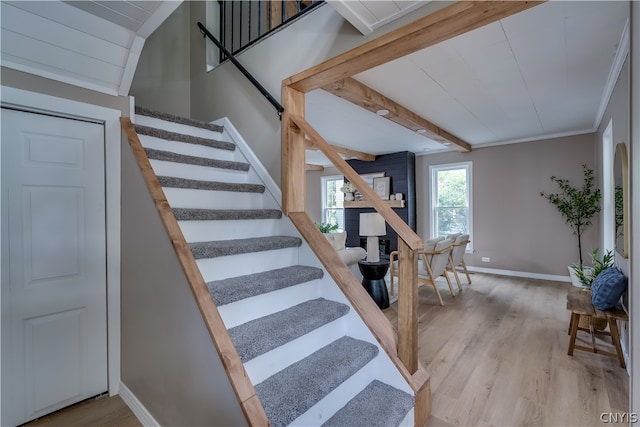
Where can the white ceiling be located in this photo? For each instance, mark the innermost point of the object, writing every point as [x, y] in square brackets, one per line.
[91, 44]
[368, 15]
[545, 72]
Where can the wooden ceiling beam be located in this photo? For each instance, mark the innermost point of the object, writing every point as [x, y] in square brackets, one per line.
[312, 167]
[346, 152]
[444, 24]
[362, 95]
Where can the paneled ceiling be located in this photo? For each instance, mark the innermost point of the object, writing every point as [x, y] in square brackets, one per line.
[91, 44]
[545, 72]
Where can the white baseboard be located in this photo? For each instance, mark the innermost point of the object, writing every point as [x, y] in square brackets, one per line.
[524, 274]
[141, 413]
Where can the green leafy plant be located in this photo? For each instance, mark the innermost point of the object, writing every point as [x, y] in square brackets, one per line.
[587, 274]
[325, 227]
[577, 205]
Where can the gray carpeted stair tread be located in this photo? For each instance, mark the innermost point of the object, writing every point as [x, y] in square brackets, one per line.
[219, 248]
[262, 335]
[169, 156]
[379, 404]
[186, 214]
[194, 184]
[180, 137]
[237, 288]
[177, 119]
[291, 392]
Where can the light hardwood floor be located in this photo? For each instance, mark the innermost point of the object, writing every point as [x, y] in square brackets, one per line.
[497, 355]
[102, 412]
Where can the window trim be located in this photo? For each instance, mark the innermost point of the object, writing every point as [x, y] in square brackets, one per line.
[323, 184]
[433, 169]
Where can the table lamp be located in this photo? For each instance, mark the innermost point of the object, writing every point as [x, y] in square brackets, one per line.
[372, 225]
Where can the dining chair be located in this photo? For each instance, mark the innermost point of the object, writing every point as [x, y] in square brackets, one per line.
[393, 262]
[457, 258]
[432, 263]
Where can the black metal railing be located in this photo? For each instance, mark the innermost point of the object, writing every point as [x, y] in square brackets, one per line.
[243, 70]
[243, 23]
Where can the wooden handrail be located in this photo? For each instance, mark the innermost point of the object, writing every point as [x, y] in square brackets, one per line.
[238, 377]
[390, 216]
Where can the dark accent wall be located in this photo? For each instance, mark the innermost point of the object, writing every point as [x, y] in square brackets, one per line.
[402, 170]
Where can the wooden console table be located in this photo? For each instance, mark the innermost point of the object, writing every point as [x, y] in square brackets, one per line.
[579, 304]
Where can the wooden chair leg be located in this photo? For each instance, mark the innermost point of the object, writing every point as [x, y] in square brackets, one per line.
[571, 320]
[464, 266]
[391, 285]
[615, 337]
[575, 319]
[455, 273]
[446, 276]
[435, 288]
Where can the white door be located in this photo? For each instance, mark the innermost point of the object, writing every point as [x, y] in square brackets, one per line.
[54, 321]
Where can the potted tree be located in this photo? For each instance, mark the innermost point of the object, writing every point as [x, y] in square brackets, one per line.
[577, 206]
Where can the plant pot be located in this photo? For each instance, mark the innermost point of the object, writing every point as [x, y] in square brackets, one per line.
[349, 197]
[574, 279]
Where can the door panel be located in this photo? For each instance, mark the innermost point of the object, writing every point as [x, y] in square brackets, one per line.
[54, 333]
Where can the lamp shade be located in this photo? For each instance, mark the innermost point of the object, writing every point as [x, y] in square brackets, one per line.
[372, 224]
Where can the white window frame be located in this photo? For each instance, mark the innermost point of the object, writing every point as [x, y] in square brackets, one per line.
[608, 203]
[324, 207]
[433, 170]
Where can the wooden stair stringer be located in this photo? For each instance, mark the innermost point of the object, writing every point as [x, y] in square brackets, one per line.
[238, 378]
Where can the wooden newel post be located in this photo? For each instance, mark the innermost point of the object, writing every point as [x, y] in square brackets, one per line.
[293, 153]
[408, 306]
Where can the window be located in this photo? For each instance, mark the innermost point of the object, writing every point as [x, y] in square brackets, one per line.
[332, 200]
[451, 199]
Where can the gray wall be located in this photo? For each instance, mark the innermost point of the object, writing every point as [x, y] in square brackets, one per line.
[512, 224]
[33, 83]
[168, 359]
[162, 80]
[315, 37]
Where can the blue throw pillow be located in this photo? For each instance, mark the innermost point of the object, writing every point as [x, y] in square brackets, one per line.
[607, 288]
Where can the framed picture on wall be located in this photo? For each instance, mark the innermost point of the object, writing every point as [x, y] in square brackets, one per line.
[368, 178]
[382, 187]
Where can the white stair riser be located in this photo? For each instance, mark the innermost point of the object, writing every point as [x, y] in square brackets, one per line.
[334, 401]
[201, 173]
[178, 128]
[248, 309]
[265, 365]
[408, 421]
[209, 199]
[220, 268]
[187, 149]
[203, 231]
[237, 265]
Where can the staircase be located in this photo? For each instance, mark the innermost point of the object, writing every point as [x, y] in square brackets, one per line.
[310, 358]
